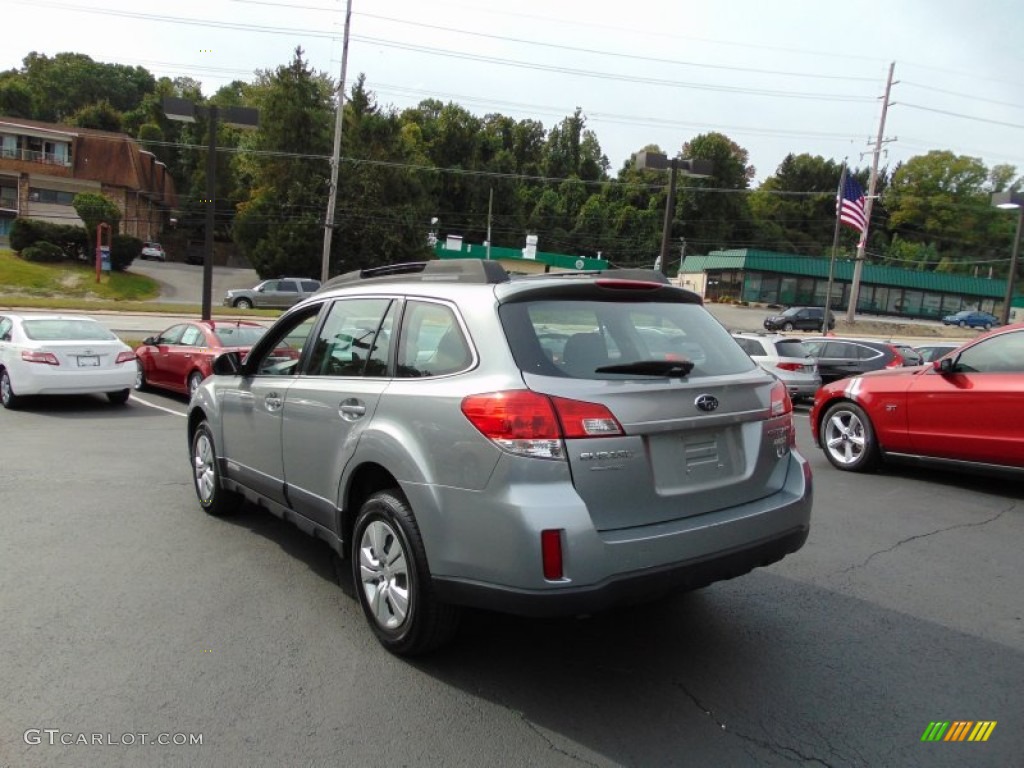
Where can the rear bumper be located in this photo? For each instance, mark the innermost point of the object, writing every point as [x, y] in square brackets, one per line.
[50, 380]
[626, 589]
[606, 569]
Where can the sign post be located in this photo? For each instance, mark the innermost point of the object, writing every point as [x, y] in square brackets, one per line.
[102, 252]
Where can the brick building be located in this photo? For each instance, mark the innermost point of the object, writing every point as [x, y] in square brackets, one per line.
[43, 166]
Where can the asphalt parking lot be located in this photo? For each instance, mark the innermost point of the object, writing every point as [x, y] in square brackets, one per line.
[126, 610]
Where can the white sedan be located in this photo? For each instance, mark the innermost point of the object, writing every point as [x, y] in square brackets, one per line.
[62, 355]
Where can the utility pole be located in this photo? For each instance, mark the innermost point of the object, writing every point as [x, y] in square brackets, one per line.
[490, 203]
[325, 263]
[858, 264]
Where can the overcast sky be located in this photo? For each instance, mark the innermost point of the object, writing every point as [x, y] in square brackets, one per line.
[776, 77]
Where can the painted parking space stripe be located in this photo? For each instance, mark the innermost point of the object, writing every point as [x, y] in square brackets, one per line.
[148, 404]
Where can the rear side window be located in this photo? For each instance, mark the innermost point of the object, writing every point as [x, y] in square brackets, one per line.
[791, 348]
[574, 338]
[432, 342]
[310, 285]
[750, 346]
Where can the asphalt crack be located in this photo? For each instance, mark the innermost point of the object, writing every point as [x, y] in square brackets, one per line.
[791, 754]
[907, 540]
[551, 745]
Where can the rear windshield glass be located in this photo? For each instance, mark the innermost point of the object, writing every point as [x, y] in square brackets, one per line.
[791, 348]
[66, 330]
[576, 337]
[239, 336]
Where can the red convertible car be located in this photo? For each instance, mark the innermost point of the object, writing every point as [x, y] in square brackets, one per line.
[182, 356]
[963, 411]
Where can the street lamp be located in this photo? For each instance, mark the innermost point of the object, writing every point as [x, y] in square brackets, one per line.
[658, 162]
[1010, 201]
[185, 111]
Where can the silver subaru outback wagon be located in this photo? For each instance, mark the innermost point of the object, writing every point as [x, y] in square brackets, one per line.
[542, 445]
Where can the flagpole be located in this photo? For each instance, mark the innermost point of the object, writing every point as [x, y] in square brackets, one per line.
[835, 247]
[858, 264]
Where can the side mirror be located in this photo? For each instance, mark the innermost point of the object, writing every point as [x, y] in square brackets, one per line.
[149, 341]
[945, 365]
[6, 336]
[261, 289]
[227, 364]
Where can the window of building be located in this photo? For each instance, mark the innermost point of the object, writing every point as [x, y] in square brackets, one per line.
[51, 196]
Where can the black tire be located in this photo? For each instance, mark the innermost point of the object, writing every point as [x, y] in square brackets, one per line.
[243, 304]
[848, 439]
[392, 580]
[194, 380]
[8, 399]
[214, 499]
[987, 326]
[120, 397]
[787, 327]
[140, 376]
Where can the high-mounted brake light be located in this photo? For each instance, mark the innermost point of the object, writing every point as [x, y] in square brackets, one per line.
[47, 358]
[633, 285]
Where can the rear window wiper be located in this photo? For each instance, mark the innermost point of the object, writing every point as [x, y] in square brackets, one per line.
[668, 368]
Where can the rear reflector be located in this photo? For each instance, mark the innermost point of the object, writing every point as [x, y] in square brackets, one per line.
[48, 358]
[551, 554]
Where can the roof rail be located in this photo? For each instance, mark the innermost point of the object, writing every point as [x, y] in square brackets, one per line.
[448, 271]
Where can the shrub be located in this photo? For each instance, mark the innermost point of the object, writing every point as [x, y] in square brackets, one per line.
[43, 251]
[71, 240]
[124, 249]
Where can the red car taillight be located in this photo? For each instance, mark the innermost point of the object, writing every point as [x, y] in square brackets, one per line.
[897, 359]
[790, 366]
[782, 405]
[124, 357]
[530, 424]
[47, 358]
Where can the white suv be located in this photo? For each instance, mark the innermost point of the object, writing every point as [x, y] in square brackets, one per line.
[787, 358]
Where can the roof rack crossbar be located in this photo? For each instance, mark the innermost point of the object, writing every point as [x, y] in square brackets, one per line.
[451, 271]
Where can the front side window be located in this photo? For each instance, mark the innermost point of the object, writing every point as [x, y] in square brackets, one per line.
[280, 351]
[172, 335]
[353, 335]
[999, 354]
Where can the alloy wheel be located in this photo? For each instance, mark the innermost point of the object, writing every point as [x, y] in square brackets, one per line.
[384, 572]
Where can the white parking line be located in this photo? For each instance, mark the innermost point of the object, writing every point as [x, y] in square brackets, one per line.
[139, 400]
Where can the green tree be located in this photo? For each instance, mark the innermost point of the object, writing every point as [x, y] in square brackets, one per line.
[279, 226]
[94, 209]
[101, 116]
[15, 96]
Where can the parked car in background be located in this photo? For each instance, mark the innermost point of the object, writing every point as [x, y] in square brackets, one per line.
[909, 353]
[799, 319]
[180, 357]
[932, 352]
[551, 444]
[841, 357]
[153, 250]
[785, 357]
[62, 355]
[970, 318]
[280, 293]
[965, 410]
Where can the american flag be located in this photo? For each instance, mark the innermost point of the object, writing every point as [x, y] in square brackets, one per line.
[851, 206]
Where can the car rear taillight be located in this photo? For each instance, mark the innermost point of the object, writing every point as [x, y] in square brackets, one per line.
[48, 358]
[530, 424]
[790, 366]
[897, 359]
[551, 554]
[781, 403]
[124, 357]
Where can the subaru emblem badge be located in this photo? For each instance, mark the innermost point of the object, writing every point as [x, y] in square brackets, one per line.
[706, 403]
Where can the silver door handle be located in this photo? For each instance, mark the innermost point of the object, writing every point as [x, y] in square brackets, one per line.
[352, 410]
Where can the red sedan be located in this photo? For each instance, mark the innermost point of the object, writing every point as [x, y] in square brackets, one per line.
[182, 356]
[965, 410]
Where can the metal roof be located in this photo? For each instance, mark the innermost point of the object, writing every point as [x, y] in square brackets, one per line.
[808, 266]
